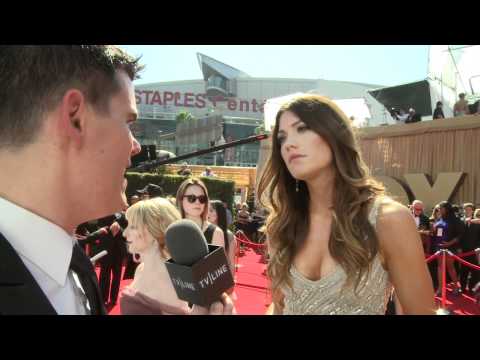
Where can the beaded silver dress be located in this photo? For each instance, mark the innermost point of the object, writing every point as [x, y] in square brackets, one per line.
[325, 296]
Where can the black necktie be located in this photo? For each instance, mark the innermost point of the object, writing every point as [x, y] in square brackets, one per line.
[82, 266]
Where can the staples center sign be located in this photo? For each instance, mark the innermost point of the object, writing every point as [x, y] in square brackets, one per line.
[199, 101]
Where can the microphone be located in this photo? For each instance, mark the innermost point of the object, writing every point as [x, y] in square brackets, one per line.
[98, 256]
[149, 165]
[199, 272]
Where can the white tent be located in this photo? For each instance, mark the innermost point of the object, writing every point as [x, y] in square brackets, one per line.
[357, 108]
[454, 69]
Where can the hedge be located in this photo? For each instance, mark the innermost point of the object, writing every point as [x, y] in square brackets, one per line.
[218, 189]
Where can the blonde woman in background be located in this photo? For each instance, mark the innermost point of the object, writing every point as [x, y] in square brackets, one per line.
[152, 292]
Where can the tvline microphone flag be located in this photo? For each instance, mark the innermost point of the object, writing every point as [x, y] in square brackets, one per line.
[199, 272]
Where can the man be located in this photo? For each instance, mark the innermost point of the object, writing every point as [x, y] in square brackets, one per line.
[423, 224]
[438, 112]
[208, 172]
[151, 190]
[229, 214]
[413, 116]
[461, 106]
[184, 170]
[64, 129]
[134, 199]
[469, 241]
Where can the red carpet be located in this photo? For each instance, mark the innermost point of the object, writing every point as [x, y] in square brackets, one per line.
[460, 305]
[250, 286]
[253, 298]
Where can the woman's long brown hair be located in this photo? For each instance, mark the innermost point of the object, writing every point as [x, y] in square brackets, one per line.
[353, 242]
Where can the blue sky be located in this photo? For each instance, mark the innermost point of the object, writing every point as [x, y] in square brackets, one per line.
[374, 64]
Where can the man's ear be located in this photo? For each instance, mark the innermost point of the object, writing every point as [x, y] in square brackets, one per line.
[73, 116]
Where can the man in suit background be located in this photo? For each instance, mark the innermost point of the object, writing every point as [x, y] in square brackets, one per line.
[423, 226]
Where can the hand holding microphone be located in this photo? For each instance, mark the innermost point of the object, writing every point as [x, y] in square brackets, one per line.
[224, 306]
[199, 272]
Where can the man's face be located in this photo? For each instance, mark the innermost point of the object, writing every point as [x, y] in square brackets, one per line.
[468, 211]
[109, 144]
[417, 209]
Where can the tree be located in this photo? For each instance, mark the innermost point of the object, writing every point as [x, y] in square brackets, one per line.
[184, 116]
[260, 130]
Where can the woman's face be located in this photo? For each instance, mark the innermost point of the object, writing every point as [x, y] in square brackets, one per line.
[212, 215]
[304, 152]
[138, 239]
[196, 194]
[443, 212]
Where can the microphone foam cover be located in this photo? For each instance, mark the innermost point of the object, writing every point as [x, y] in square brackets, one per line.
[186, 242]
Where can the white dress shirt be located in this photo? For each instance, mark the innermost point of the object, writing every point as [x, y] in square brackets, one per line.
[46, 251]
[417, 221]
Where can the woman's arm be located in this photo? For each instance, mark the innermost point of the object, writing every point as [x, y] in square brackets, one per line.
[218, 238]
[402, 250]
[231, 250]
[276, 310]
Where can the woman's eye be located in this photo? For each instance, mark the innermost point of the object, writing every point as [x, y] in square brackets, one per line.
[302, 128]
[281, 139]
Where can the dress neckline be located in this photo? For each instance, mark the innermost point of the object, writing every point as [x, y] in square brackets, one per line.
[372, 216]
[296, 272]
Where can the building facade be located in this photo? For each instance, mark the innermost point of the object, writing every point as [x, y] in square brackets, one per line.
[227, 103]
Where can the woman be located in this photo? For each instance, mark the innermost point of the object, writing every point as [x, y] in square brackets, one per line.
[335, 241]
[447, 231]
[218, 215]
[243, 215]
[192, 201]
[244, 221]
[438, 112]
[435, 214]
[151, 291]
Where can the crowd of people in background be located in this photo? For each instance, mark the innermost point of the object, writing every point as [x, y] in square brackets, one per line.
[111, 233]
[452, 227]
[461, 108]
[457, 229]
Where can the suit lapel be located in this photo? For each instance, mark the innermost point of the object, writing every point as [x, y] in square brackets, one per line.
[19, 292]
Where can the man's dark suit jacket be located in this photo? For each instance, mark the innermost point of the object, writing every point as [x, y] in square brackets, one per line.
[19, 292]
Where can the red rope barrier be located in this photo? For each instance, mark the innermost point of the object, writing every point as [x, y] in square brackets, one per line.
[472, 266]
[444, 279]
[240, 239]
[433, 257]
[473, 252]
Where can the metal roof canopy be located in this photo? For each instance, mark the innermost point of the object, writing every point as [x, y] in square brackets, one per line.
[411, 95]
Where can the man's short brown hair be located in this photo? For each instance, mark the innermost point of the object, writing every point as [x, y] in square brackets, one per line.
[34, 79]
[470, 205]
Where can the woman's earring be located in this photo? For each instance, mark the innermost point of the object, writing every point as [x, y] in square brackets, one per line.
[296, 185]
